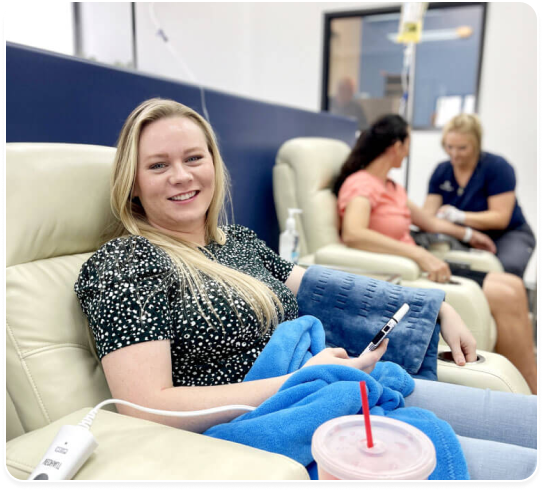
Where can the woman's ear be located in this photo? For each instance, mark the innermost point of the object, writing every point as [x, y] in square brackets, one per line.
[397, 146]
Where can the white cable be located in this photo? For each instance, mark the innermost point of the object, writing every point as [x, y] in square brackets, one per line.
[160, 32]
[89, 418]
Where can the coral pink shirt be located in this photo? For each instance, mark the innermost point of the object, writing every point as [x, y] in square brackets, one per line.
[389, 212]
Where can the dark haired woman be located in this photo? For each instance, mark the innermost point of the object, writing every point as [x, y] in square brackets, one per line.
[376, 215]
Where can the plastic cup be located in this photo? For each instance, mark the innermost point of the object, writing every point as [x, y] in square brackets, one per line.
[400, 451]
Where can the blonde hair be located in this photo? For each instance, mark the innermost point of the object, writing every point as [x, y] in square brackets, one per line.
[190, 261]
[469, 124]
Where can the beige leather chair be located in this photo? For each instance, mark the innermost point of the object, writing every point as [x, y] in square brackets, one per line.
[57, 209]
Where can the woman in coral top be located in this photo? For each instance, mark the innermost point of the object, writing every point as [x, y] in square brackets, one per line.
[376, 215]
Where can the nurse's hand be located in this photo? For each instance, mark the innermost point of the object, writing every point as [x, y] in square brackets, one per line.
[454, 331]
[452, 214]
[482, 242]
[337, 355]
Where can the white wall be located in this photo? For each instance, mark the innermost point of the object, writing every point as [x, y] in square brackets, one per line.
[45, 25]
[267, 51]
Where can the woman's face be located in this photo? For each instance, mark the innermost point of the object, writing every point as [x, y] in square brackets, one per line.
[461, 148]
[403, 151]
[175, 178]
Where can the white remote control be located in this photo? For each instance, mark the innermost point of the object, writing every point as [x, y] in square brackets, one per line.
[71, 448]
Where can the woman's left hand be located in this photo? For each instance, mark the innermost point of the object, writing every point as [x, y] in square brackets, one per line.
[456, 334]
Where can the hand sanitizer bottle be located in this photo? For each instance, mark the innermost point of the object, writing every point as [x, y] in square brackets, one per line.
[289, 240]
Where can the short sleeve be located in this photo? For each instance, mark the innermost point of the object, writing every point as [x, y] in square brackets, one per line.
[278, 267]
[123, 290]
[500, 176]
[359, 184]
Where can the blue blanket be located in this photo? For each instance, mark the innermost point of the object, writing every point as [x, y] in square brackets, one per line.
[285, 422]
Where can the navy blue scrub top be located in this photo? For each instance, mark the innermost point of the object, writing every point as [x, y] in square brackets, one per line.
[493, 175]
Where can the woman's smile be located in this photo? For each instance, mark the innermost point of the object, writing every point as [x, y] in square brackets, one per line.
[184, 198]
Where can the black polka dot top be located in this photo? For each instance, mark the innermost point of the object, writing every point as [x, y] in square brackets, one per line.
[130, 292]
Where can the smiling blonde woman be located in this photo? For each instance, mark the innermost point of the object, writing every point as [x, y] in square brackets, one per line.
[181, 305]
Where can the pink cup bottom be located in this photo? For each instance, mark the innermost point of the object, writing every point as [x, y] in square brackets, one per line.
[324, 475]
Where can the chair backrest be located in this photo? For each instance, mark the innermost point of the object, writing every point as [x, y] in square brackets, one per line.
[57, 211]
[303, 176]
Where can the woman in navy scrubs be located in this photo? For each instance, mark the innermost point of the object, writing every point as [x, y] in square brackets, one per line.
[477, 189]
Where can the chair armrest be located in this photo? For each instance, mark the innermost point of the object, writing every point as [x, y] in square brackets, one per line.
[479, 260]
[136, 449]
[341, 255]
[492, 371]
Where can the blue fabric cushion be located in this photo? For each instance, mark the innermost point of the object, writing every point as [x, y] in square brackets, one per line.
[354, 308]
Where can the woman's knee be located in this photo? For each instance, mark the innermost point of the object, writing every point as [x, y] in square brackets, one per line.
[500, 295]
[508, 287]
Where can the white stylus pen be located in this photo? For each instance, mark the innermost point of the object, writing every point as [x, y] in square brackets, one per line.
[396, 318]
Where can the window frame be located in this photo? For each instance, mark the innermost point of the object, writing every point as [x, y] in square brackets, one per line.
[330, 16]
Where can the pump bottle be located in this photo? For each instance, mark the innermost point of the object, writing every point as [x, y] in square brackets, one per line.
[289, 240]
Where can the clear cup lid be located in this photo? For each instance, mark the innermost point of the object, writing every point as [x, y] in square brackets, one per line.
[400, 451]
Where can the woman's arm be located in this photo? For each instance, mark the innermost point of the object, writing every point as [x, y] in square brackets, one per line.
[454, 331]
[355, 234]
[432, 224]
[498, 216]
[432, 204]
[295, 279]
[142, 374]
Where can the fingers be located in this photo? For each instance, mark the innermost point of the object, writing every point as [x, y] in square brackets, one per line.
[339, 352]
[457, 354]
[363, 361]
[443, 274]
[470, 350]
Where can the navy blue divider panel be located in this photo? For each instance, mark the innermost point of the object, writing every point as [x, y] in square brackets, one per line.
[57, 98]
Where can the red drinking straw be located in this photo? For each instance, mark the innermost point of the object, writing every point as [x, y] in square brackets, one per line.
[366, 412]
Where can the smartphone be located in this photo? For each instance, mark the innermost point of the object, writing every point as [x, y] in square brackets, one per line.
[387, 328]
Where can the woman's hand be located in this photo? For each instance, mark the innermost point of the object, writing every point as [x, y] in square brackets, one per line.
[457, 335]
[481, 241]
[337, 355]
[438, 271]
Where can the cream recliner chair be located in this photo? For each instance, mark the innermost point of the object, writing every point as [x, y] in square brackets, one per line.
[57, 209]
[303, 175]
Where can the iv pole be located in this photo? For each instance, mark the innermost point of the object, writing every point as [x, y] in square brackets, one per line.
[409, 34]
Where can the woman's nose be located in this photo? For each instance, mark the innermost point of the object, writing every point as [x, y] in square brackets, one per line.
[180, 174]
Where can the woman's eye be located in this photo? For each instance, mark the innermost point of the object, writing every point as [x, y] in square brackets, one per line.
[194, 158]
[157, 166]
